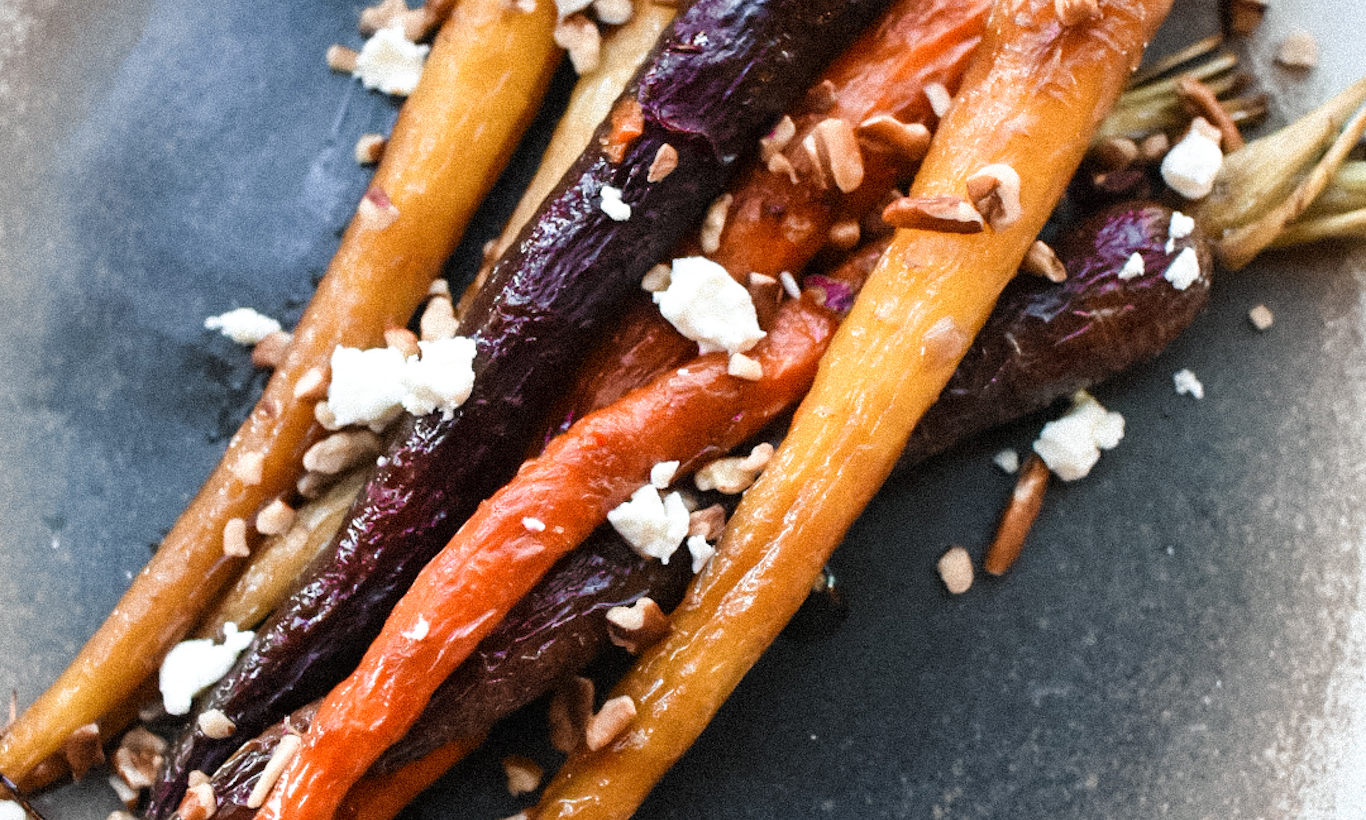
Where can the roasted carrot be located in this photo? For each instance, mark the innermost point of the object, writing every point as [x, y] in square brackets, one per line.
[1036, 92]
[482, 84]
[382, 797]
[778, 220]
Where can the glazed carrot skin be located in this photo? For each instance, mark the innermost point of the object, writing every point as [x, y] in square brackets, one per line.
[556, 500]
[1031, 100]
[776, 224]
[473, 96]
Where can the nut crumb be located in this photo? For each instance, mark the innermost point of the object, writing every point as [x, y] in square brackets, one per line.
[312, 384]
[908, 141]
[342, 451]
[370, 148]
[342, 59]
[939, 98]
[1299, 51]
[844, 234]
[955, 570]
[570, 709]
[523, 774]
[285, 749]
[270, 351]
[82, 750]
[613, 12]
[1025, 502]
[579, 36]
[778, 139]
[275, 518]
[950, 214]
[216, 725]
[609, 722]
[656, 279]
[1041, 260]
[249, 468]
[995, 192]
[708, 522]
[438, 320]
[637, 626]
[199, 803]
[376, 211]
[821, 98]
[836, 153]
[403, 340]
[665, 161]
[743, 367]
[780, 164]
[138, 758]
[1261, 317]
[235, 538]
[714, 223]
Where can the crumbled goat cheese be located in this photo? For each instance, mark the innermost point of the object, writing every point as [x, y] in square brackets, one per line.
[441, 378]
[700, 551]
[370, 386]
[417, 631]
[652, 524]
[10, 810]
[243, 325]
[1133, 267]
[366, 386]
[1190, 167]
[663, 473]
[1008, 460]
[1184, 269]
[1180, 226]
[195, 665]
[1187, 384]
[1071, 445]
[706, 305]
[613, 206]
[390, 63]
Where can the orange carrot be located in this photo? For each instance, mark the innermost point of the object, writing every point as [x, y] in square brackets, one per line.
[382, 797]
[1035, 94]
[481, 86]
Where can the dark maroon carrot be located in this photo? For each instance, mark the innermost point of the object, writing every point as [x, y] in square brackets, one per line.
[725, 72]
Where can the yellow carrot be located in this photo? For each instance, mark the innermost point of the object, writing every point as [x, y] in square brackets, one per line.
[1031, 101]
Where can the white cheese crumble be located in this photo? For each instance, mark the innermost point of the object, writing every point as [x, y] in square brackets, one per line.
[700, 551]
[652, 524]
[706, 305]
[1190, 167]
[662, 474]
[533, 524]
[1008, 460]
[417, 631]
[243, 325]
[612, 204]
[1071, 445]
[1187, 384]
[1180, 226]
[1184, 269]
[10, 810]
[370, 386]
[390, 63]
[1133, 267]
[194, 665]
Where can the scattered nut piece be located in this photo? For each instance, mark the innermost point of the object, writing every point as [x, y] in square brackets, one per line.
[656, 279]
[83, 750]
[438, 320]
[1019, 515]
[950, 214]
[570, 709]
[439, 287]
[708, 522]
[249, 467]
[955, 570]
[1200, 100]
[789, 283]
[579, 36]
[908, 141]
[637, 626]
[1040, 260]
[1113, 153]
[139, 758]
[778, 139]
[342, 451]
[734, 474]
[370, 148]
[322, 413]
[939, 97]
[995, 193]
[714, 223]
[199, 803]
[609, 722]
[342, 59]
[1076, 12]
[1242, 17]
[780, 164]
[195, 777]
[275, 518]
[665, 161]
[403, 340]
[285, 749]
[1154, 147]
[127, 795]
[523, 774]
[235, 538]
[837, 153]
[120, 814]
[312, 384]
[270, 351]
[1261, 317]
[844, 234]
[821, 98]
[313, 485]
[613, 12]
[376, 211]
[1298, 51]
[216, 725]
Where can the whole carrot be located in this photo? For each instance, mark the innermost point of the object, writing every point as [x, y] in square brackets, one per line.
[482, 84]
[1037, 90]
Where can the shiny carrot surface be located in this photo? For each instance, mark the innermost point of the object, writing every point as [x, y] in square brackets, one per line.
[1036, 91]
[482, 84]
